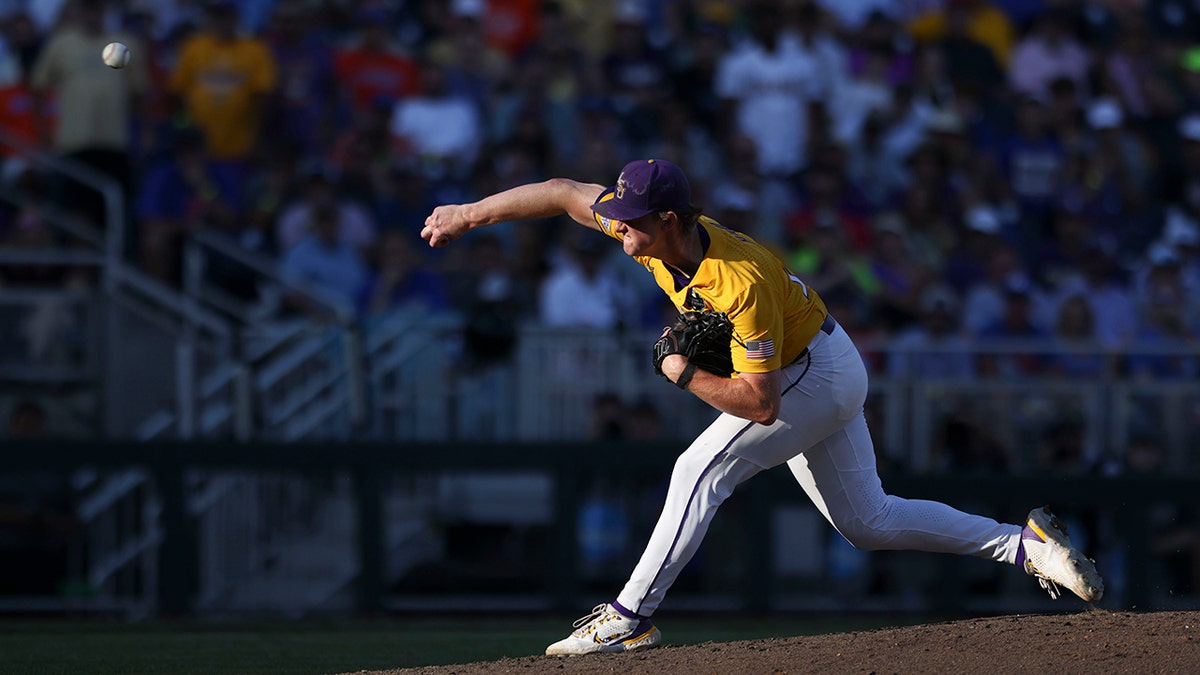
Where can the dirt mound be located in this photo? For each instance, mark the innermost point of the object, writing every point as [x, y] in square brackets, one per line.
[1092, 642]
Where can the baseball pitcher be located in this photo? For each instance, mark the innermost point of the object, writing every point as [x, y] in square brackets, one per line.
[756, 343]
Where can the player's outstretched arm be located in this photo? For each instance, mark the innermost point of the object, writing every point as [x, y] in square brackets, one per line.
[524, 202]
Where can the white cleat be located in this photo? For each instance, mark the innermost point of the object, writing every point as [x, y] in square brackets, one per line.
[1051, 558]
[607, 630]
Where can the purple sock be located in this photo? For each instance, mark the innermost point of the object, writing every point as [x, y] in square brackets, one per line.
[1026, 533]
[625, 612]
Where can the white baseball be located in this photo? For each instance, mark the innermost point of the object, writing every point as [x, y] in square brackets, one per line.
[116, 55]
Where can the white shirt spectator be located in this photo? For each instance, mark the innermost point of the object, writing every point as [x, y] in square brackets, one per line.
[443, 131]
[772, 90]
[1046, 54]
[582, 290]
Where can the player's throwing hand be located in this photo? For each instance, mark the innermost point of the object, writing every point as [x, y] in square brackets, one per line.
[444, 225]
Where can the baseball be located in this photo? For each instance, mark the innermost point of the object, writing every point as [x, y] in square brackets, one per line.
[116, 55]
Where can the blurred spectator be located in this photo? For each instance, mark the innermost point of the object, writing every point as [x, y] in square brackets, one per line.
[875, 166]
[1106, 290]
[509, 25]
[694, 69]
[223, 82]
[1047, 52]
[978, 20]
[324, 261]
[1164, 339]
[634, 75]
[581, 291]
[901, 275]
[19, 114]
[1063, 253]
[766, 82]
[181, 194]
[405, 199]
[1128, 70]
[1077, 353]
[1015, 333]
[490, 295]
[441, 131]
[966, 56]
[934, 348]
[319, 189]
[868, 90]
[302, 108]
[826, 200]
[474, 67]
[96, 106]
[400, 281]
[821, 253]
[966, 266]
[370, 70]
[1033, 162]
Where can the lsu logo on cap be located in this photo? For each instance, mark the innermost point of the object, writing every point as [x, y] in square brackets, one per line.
[619, 190]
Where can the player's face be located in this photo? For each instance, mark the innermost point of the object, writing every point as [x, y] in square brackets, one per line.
[640, 236]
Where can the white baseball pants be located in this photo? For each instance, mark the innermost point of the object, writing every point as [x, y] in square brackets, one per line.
[822, 436]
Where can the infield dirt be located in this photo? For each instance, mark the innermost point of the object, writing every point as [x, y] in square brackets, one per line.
[1095, 642]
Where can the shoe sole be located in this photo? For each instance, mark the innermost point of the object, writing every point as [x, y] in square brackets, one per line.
[1090, 586]
[649, 639]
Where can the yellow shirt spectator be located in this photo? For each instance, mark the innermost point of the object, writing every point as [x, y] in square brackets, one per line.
[222, 83]
[985, 24]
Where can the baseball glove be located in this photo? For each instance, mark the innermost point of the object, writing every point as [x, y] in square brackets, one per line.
[703, 337]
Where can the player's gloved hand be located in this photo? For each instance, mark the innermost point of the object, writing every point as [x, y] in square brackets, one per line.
[703, 337]
[666, 345]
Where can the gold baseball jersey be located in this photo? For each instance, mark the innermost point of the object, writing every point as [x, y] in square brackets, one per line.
[774, 313]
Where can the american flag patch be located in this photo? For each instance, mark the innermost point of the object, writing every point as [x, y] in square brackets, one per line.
[760, 349]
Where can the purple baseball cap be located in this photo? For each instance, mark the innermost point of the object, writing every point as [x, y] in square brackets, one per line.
[645, 186]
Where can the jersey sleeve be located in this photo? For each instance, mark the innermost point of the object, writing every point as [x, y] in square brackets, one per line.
[758, 332]
[604, 223]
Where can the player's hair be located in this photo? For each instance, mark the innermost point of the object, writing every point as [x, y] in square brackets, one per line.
[688, 215]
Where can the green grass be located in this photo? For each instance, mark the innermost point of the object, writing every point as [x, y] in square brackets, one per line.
[299, 648]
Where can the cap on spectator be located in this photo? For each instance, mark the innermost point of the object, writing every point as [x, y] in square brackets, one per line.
[629, 12]
[1180, 230]
[318, 170]
[1105, 113]
[1017, 284]
[889, 221]
[939, 298]
[1189, 127]
[983, 219]
[1162, 254]
[645, 186]
[468, 8]
[944, 121]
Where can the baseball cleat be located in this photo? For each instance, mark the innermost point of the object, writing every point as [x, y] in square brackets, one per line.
[606, 630]
[1051, 558]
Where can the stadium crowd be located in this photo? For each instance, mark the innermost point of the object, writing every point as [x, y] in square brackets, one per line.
[938, 169]
[941, 171]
